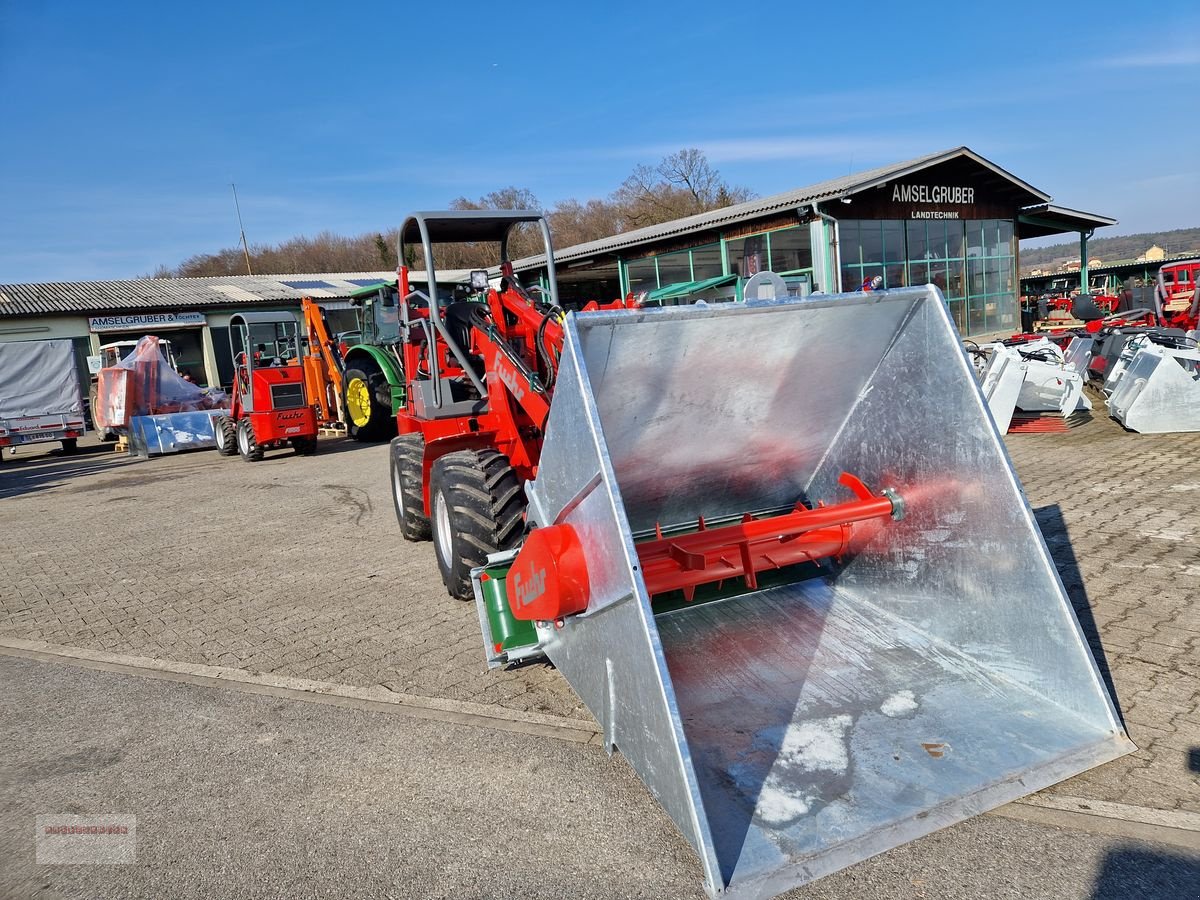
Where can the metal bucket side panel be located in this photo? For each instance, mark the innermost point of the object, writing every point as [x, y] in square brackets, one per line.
[612, 656]
[967, 564]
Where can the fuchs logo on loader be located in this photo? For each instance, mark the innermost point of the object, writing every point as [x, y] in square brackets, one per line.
[288, 416]
[508, 376]
[530, 590]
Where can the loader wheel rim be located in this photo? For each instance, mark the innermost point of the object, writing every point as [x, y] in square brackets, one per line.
[358, 402]
[243, 440]
[445, 540]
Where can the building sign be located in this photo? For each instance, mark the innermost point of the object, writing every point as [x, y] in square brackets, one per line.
[959, 190]
[146, 321]
[932, 193]
[941, 196]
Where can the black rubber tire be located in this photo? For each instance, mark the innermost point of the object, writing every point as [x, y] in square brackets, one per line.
[70, 446]
[225, 434]
[304, 446]
[484, 505]
[381, 424]
[407, 498]
[248, 445]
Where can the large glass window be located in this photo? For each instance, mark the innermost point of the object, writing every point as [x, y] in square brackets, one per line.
[790, 250]
[674, 268]
[972, 262]
[747, 255]
[641, 275]
[706, 262]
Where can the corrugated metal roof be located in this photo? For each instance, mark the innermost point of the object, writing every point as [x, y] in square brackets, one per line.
[751, 209]
[95, 297]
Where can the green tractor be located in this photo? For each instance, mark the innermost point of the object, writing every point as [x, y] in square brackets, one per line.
[374, 377]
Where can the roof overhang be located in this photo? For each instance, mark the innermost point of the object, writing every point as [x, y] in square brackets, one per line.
[1046, 219]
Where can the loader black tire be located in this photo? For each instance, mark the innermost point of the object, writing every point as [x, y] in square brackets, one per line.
[478, 506]
[304, 446]
[225, 435]
[367, 401]
[407, 452]
[248, 445]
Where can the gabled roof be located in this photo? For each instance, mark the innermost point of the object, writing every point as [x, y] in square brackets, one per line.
[832, 189]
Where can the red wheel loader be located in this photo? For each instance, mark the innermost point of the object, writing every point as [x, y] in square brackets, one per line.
[271, 407]
[776, 547]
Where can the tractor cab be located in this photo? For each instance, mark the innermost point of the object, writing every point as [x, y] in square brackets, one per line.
[379, 317]
[270, 406]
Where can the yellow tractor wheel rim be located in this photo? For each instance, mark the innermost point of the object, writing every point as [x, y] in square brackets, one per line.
[358, 402]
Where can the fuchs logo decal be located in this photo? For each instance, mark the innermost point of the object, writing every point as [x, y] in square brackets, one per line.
[288, 416]
[531, 590]
[508, 376]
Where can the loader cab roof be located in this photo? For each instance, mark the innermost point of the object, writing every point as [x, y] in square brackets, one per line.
[458, 226]
[455, 226]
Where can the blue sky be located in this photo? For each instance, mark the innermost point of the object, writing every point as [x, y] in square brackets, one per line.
[126, 122]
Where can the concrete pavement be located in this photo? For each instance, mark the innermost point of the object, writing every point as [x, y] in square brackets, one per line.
[239, 795]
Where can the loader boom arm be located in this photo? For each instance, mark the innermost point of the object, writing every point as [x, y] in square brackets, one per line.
[324, 369]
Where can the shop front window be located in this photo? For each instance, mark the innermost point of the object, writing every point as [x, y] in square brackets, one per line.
[748, 255]
[674, 268]
[641, 275]
[706, 262]
[790, 250]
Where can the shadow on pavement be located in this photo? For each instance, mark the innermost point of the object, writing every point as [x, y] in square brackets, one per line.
[36, 473]
[1138, 872]
[329, 445]
[1054, 529]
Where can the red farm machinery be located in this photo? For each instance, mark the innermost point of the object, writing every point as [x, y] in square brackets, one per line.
[274, 403]
[792, 576]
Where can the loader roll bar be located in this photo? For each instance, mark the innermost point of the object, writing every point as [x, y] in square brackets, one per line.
[464, 226]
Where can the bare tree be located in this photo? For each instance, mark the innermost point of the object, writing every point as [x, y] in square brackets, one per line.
[682, 184]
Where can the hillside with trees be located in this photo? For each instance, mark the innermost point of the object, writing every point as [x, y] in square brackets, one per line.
[1110, 249]
[682, 184]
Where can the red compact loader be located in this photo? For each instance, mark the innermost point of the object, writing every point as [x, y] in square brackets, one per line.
[270, 407]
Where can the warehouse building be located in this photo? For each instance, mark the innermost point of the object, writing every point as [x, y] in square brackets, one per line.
[951, 218]
[192, 313]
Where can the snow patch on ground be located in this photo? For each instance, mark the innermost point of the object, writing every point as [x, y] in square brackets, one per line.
[900, 704]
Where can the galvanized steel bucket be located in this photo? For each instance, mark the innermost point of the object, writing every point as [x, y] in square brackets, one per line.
[934, 672]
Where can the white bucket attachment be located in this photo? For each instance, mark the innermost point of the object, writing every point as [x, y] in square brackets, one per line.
[930, 670]
[1157, 390]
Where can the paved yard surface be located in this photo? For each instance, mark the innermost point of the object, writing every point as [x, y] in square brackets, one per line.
[294, 567]
[241, 796]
